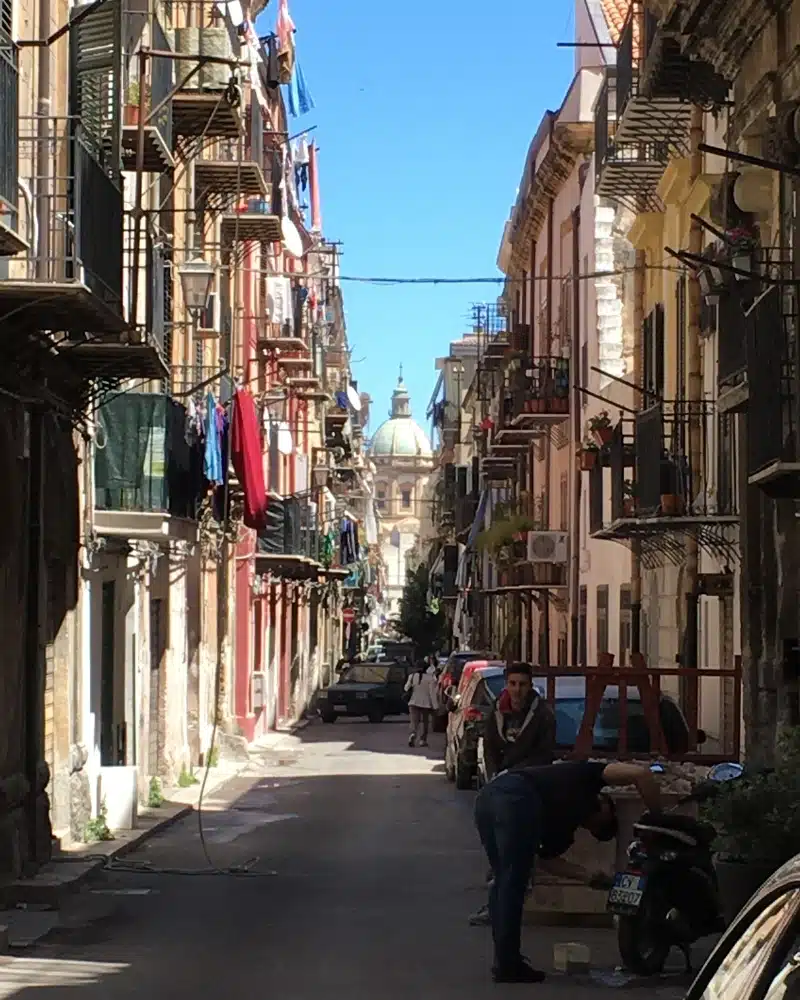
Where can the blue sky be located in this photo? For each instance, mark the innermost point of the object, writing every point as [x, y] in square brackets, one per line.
[424, 115]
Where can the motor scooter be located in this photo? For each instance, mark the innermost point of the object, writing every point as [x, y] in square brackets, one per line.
[668, 896]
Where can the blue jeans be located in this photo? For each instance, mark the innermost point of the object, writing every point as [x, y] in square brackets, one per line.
[508, 815]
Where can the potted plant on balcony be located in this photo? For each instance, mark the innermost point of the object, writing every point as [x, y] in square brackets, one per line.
[131, 112]
[504, 539]
[588, 455]
[600, 428]
[758, 824]
[671, 505]
[628, 498]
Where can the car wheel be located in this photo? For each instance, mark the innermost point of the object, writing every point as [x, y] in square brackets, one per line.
[375, 715]
[449, 766]
[327, 716]
[464, 775]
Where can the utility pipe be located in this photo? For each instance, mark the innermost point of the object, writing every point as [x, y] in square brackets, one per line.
[577, 377]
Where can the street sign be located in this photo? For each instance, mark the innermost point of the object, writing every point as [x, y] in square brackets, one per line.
[348, 615]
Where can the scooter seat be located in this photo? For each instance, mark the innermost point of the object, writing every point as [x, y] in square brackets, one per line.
[685, 829]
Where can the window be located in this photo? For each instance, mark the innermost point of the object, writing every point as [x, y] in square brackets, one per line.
[563, 651]
[405, 499]
[602, 618]
[583, 655]
[381, 494]
[653, 344]
[625, 624]
[764, 941]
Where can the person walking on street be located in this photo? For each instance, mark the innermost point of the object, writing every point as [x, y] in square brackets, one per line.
[423, 701]
[521, 732]
[536, 811]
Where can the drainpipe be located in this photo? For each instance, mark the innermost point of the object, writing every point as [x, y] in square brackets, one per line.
[638, 379]
[574, 471]
[547, 442]
[694, 396]
[34, 449]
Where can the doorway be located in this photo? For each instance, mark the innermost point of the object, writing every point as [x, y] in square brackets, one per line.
[108, 747]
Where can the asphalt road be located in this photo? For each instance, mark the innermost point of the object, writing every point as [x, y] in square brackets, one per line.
[370, 869]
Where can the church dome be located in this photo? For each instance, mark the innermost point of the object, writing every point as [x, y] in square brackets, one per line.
[400, 436]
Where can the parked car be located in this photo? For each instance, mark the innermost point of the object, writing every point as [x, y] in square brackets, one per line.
[469, 710]
[570, 703]
[450, 676]
[373, 690]
[758, 958]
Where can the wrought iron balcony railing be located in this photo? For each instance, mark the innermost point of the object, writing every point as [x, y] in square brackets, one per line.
[73, 230]
[293, 530]
[685, 462]
[629, 165]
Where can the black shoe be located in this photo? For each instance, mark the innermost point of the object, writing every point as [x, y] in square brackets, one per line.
[522, 973]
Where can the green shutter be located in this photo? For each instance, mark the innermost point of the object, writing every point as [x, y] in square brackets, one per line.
[95, 79]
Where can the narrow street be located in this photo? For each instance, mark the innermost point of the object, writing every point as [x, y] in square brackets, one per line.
[377, 868]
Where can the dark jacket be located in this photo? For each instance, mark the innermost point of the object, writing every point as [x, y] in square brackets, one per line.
[534, 744]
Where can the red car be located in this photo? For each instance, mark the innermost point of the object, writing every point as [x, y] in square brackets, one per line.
[451, 677]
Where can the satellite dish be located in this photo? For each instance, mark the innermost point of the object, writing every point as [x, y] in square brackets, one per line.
[285, 443]
[353, 398]
[291, 237]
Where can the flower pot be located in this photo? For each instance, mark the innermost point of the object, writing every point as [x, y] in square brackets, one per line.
[742, 260]
[588, 459]
[738, 881]
[131, 114]
[602, 435]
[561, 404]
[671, 504]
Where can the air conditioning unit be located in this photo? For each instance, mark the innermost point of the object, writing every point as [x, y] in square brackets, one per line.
[548, 547]
[258, 690]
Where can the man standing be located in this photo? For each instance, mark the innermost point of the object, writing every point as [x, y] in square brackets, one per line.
[536, 811]
[521, 732]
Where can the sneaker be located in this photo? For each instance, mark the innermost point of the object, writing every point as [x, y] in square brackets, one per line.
[412, 739]
[522, 973]
[423, 743]
[480, 918]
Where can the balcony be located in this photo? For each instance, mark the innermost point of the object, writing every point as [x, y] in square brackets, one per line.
[656, 84]
[684, 477]
[773, 456]
[145, 481]
[225, 174]
[536, 398]
[717, 31]
[208, 101]
[627, 171]
[156, 130]
[10, 241]
[196, 381]
[666, 73]
[290, 546]
[257, 223]
[70, 279]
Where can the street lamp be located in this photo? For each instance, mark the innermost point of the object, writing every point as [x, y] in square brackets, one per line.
[197, 277]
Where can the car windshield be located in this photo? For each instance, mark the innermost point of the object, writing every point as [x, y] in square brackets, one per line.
[495, 683]
[365, 673]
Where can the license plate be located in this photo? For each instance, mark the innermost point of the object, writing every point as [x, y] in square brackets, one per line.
[341, 706]
[626, 894]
